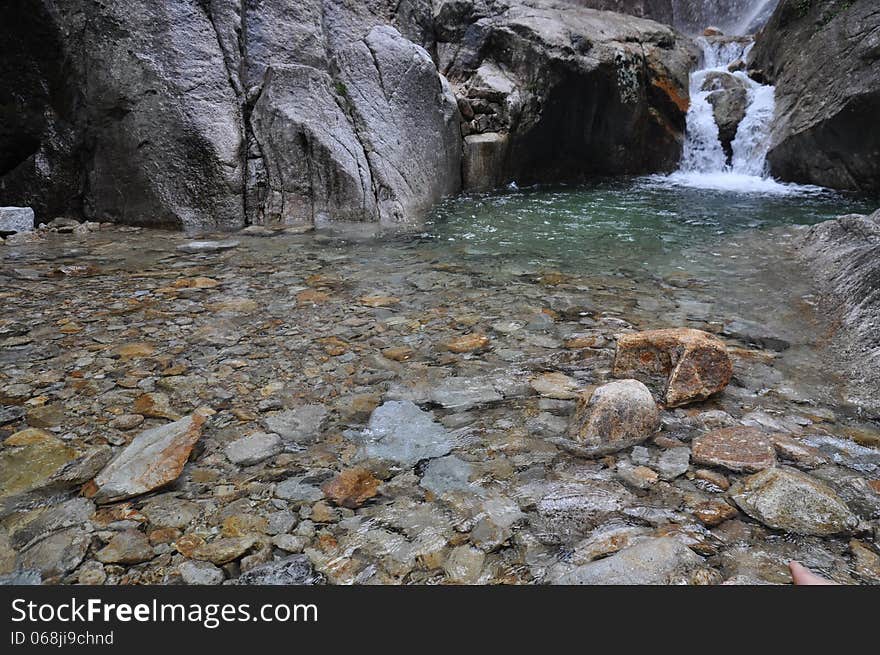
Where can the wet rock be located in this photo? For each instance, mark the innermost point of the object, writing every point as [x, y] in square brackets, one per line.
[464, 393]
[21, 577]
[56, 555]
[293, 570]
[789, 500]
[464, 565]
[555, 385]
[301, 425]
[153, 459]
[91, 573]
[797, 451]
[128, 547]
[194, 572]
[352, 488]
[856, 491]
[297, 489]
[468, 343]
[447, 474]
[16, 219]
[29, 460]
[254, 448]
[547, 425]
[155, 405]
[640, 477]
[400, 432]
[225, 549]
[615, 416]
[10, 413]
[208, 246]
[574, 508]
[714, 478]
[714, 512]
[658, 561]
[170, 512]
[126, 422]
[689, 365]
[866, 561]
[737, 449]
[74, 512]
[673, 462]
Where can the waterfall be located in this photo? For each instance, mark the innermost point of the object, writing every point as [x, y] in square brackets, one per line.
[705, 164]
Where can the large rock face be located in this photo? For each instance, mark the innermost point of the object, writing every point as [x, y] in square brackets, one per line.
[844, 255]
[824, 57]
[214, 113]
[553, 93]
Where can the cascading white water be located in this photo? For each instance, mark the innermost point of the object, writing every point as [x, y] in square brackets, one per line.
[704, 162]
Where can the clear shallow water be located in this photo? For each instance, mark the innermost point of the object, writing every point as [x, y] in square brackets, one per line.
[647, 224]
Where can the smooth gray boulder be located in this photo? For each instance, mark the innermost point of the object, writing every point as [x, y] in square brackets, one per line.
[843, 255]
[659, 561]
[16, 219]
[400, 432]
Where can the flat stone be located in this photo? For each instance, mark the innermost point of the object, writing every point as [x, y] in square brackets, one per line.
[224, 549]
[301, 425]
[714, 512]
[153, 459]
[293, 570]
[170, 512]
[740, 449]
[614, 416]
[70, 513]
[128, 547]
[691, 364]
[400, 432]
[194, 572]
[290, 542]
[789, 500]
[464, 393]
[447, 474]
[555, 385]
[797, 451]
[126, 422]
[58, 554]
[208, 246]
[640, 477]
[464, 565]
[296, 489]
[468, 343]
[29, 460]
[254, 448]
[155, 405]
[659, 561]
[352, 488]
[673, 462]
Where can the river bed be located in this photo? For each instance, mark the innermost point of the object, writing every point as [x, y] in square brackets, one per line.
[305, 335]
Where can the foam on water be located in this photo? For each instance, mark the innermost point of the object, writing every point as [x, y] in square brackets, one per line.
[704, 163]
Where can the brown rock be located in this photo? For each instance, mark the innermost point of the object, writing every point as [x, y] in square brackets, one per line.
[47, 416]
[155, 405]
[468, 343]
[398, 353]
[738, 449]
[714, 512]
[791, 449]
[866, 561]
[152, 459]
[352, 488]
[378, 301]
[163, 536]
[126, 422]
[188, 544]
[691, 364]
[555, 385]
[223, 550]
[134, 350]
[713, 477]
[128, 547]
[241, 525]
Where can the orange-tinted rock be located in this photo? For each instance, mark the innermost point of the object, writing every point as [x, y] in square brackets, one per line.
[468, 343]
[378, 301]
[738, 449]
[152, 459]
[155, 405]
[792, 449]
[351, 488]
[398, 353]
[713, 477]
[714, 512]
[692, 365]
